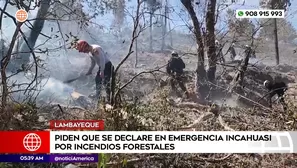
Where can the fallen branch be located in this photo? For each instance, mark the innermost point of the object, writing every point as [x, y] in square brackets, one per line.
[197, 122]
[132, 79]
[266, 108]
[60, 108]
[222, 122]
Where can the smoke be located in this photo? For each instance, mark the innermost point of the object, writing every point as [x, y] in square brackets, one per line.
[48, 90]
[60, 91]
[63, 64]
[252, 61]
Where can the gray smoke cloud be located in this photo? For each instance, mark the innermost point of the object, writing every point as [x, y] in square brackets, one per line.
[48, 90]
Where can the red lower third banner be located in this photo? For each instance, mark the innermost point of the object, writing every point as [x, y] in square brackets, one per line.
[25, 142]
[97, 125]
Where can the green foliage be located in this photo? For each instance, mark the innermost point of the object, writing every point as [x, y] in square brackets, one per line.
[125, 162]
[153, 5]
[102, 160]
[275, 4]
[285, 29]
[242, 27]
[5, 165]
[119, 12]
[103, 6]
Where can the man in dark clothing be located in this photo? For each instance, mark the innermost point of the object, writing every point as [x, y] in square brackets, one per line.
[276, 88]
[249, 52]
[175, 68]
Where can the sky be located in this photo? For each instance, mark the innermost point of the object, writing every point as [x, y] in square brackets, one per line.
[178, 16]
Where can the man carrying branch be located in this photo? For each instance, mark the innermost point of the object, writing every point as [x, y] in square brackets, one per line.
[106, 69]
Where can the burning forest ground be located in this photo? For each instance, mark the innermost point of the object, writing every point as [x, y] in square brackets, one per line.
[147, 105]
[144, 98]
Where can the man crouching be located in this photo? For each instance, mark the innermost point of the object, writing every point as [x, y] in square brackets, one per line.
[276, 88]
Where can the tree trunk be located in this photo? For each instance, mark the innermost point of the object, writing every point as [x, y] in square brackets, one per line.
[201, 83]
[276, 41]
[136, 51]
[4, 63]
[151, 31]
[210, 42]
[164, 26]
[38, 24]
[170, 35]
[239, 76]
[169, 27]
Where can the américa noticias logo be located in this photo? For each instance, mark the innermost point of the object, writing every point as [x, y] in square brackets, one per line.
[32, 142]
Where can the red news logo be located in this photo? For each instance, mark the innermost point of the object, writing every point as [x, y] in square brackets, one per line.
[32, 142]
[25, 142]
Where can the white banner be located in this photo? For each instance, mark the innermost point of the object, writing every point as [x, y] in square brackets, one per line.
[260, 13]
[170, 142]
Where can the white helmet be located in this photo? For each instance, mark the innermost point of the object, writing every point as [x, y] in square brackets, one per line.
[217, 42]
[233, 44]
[247, 46]
[174, 53]
[266, 82]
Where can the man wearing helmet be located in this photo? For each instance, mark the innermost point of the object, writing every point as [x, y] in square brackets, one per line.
[249, 52]
[276, 88]
[99, 57]
[175, 69]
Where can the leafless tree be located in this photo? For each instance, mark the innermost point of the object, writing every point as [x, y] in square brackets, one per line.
[201, 78]
[211, 52]
[136, 31]
[153, 5]
[275, 4]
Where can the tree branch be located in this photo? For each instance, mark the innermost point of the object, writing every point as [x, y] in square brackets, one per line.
[2, 12]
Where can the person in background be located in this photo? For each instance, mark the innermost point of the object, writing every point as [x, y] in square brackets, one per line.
[232, 51]
[106, 69]
[253, 53]
[249, 51]
[175, 69]
[219, 52]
